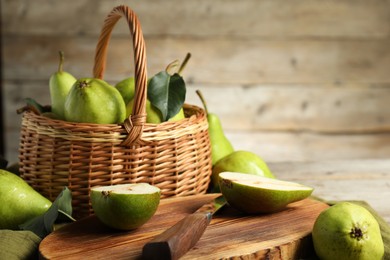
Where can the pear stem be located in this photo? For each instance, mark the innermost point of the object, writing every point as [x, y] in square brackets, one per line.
[203, 100]
[171, 66]
[61, 61]
[185, 61]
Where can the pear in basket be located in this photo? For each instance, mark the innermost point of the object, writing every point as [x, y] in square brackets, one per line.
[60, 84]
[153, 115]
[166, 95]
[126, 88]
[93, 100]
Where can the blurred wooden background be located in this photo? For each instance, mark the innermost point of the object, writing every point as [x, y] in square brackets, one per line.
[291, 80]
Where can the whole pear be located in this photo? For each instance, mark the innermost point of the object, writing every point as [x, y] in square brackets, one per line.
[127, 88]
[153, 115]
[60, 84]
[19, 202]
[93, 100]
[220, 145]
[242, 162]
[347, 231]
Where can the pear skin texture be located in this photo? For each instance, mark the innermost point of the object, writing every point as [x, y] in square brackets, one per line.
[94, 101]
[127, 89]
[153, 115]
[253, 194]
[347, 231]
[220, 145]
[240, 161]
[60, 84]
[19, 202]
[125, 211]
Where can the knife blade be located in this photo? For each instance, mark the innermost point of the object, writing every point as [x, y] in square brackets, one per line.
[181, 237]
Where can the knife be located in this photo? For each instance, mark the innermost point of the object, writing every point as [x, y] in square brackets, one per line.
[181, 237]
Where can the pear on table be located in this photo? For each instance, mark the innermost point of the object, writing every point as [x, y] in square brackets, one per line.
[125, 206]
[19, 202]
[242, 162]
[253, 194]
[347, 231]
[220, 144]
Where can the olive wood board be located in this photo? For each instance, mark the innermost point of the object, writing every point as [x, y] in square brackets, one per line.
[230, 235]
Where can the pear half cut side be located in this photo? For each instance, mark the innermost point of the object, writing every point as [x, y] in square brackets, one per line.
[254, 194]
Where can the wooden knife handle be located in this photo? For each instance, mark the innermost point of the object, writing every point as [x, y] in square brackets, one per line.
[178, 239]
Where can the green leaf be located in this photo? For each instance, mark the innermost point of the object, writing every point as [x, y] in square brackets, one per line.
[64, 205]
[33, 105]
[167, 93]
[60, 209]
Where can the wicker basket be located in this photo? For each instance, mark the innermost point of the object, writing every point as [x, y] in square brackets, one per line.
[174, 156]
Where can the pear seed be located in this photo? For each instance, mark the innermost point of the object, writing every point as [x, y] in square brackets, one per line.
[106, 193]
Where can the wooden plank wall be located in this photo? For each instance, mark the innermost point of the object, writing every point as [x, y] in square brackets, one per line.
[291, 80]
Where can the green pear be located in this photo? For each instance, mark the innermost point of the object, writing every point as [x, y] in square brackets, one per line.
[127, 89]
[347, 231]
[19, 202]
[153, 115]
[253, 194]
[220, 145]
[60, 84]
[125, 206]
[93, 100]
[243, 162]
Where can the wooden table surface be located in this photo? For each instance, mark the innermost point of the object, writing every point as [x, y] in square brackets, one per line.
[367, 180]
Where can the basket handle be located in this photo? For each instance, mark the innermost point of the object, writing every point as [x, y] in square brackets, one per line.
[135, 122]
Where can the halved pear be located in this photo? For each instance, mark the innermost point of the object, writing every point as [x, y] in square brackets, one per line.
[255, 194]
[125, 206]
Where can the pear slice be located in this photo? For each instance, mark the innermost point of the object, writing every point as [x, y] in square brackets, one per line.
[253, 194]
[125, 206]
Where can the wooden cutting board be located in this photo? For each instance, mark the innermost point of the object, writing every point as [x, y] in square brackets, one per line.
[231, 234]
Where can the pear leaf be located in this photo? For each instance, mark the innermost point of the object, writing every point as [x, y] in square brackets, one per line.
[33, 105]
[167, 93]
[61, 208]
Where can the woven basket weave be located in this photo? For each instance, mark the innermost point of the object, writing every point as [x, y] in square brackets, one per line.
[174, 156]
